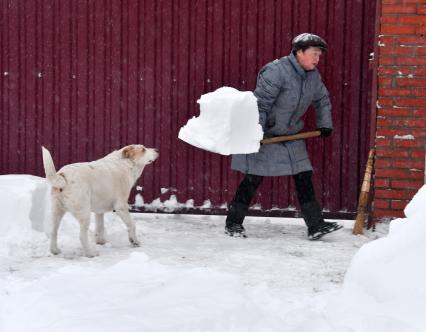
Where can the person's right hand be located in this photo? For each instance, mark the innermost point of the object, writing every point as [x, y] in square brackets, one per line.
[325, 132]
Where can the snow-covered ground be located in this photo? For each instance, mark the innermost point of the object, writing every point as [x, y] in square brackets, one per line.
[189, 276]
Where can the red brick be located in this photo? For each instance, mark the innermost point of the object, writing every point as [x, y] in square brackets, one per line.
[407, 123]
[398, 9]
[384, 123]
[382, 204]
[418, 154]
[383, 164]
[410, 61]
[386, 60]
[394, 71]
[419, 71]
[381, 183]
[394, 193]
[384, 91]
[420, 30]
[421, 9]
[419, 112]
[419, 133]
[420, 92]
[387, 19]
[399, 173]
[399, 213]
[420, 50]
[415, 82]
[407, 184]
[397, 50]
[418, 121]
[380, 214]
[395, 112]
[393, 173]
[399, 205]
[412, 19]
[398, 29]
[409, 102]
[408, 143]
[411, 40]
[400, 132]
[398, 71]
[389, 40]
[385, 102]
[383, 142]
[384, 152]
[409, 164]
[385, 81]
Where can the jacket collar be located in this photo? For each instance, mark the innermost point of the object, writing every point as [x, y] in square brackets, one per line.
[297, 67]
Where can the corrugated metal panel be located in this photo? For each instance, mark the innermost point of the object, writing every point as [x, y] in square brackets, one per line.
[87, 77]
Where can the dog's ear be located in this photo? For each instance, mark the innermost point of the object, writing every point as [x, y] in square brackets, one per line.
[128, 152]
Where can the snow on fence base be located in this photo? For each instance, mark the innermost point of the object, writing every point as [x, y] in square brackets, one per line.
[228, 123]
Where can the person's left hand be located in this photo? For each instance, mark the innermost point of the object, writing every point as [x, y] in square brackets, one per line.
[325, 132]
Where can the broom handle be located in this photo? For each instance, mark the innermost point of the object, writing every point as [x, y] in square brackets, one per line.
[363, 196]
[307, 134]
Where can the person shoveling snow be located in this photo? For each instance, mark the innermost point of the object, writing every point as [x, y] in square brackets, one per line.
[285, 89]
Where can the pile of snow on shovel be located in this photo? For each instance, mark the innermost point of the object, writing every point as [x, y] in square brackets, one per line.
[228, 123]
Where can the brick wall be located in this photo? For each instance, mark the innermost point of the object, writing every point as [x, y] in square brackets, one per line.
[401, 106]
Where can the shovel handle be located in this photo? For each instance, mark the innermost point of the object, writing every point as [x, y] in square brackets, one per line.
[307, 134]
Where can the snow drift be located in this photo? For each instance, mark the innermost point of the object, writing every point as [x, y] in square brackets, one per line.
[24, 200]
[384, 288]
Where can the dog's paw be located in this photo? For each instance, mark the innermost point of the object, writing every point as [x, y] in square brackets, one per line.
[135, 242]
[91, 254]
[100, 241]
[55, 251]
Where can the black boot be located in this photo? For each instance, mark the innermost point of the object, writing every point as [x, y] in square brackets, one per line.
[311, 210]
[317, 227]
[235, 230]
[238, 208]
[323, 228]
[234, 220]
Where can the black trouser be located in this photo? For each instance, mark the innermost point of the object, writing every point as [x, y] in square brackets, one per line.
[305, 193]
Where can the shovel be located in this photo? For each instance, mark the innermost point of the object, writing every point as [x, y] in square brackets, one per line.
[306, 134]
[229, 124]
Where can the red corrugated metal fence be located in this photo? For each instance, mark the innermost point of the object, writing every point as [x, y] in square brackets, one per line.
[86, 77]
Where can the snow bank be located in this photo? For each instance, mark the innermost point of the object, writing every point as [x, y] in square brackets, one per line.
[384, 288]
[137, 294]
[22, 201]
[228, 123]
[23, 207]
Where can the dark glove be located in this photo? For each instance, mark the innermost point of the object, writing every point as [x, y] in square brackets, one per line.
[325, 132]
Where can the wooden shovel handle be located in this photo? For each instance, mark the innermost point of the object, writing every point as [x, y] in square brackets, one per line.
[307, 134]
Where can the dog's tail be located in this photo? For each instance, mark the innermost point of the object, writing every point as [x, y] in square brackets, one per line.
[54, 178]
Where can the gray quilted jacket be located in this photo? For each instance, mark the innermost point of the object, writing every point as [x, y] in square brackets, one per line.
[284, 91]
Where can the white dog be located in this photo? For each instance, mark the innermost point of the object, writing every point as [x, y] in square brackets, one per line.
[98, 186]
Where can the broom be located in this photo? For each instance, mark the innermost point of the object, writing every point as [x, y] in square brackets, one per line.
[363, 196]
